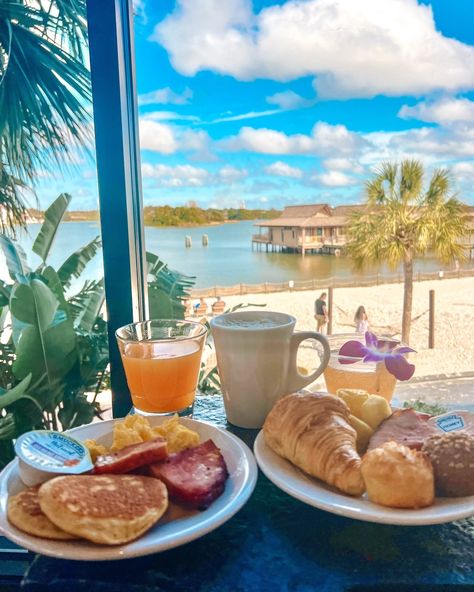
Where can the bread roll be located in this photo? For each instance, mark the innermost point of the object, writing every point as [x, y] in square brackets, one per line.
[398, 477]
[312, 431]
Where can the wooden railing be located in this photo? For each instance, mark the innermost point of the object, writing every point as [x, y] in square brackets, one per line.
[324, 283]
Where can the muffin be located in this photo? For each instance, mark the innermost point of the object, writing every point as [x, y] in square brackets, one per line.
[452, 457]
[398, 477]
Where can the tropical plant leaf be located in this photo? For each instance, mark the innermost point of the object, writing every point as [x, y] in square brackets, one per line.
[16, 259]
[45, 341]
[166, 290]
[11, 199]
[55, 285]
[52, 217]
[9, 397]
[33, 304]
[92, 306]
[44, 93]
[76, 263]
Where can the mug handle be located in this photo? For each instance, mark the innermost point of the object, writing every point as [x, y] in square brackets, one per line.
[295, 380]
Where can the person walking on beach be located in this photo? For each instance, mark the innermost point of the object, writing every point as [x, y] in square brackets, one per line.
[361, 320]
[321, 313]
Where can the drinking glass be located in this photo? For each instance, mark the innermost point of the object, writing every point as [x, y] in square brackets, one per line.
[372, 377]
[162, 359]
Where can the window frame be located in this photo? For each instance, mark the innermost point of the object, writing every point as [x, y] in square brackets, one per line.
[112, 65]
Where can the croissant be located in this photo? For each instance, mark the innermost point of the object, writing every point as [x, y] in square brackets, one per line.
[312, 431]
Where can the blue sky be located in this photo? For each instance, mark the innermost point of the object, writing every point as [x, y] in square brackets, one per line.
[271, 103]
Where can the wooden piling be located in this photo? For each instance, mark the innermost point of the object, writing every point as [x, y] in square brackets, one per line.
[330, 308]
[431, 330]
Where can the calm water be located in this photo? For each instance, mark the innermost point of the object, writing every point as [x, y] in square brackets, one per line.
[227, 260]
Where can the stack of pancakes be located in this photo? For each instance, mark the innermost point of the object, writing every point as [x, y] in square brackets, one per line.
[104, 509]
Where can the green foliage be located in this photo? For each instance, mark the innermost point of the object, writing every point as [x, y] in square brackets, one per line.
[195, 216]
[403, 220]
[54, 354]
[423, 407]
[44, 93]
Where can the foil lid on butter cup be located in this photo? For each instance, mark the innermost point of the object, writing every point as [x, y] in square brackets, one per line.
[53, 452]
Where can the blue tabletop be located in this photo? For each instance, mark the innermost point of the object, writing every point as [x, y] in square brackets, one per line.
[277, 543]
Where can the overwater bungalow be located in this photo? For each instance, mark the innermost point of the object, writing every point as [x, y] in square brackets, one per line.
[316, 228]
[319, 228]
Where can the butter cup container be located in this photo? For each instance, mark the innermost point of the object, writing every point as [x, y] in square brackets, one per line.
[44, 454]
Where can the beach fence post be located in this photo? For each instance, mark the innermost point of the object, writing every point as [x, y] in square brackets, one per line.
[330, 307]
[431, 330]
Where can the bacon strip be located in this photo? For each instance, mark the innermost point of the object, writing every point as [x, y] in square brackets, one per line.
[194, 477]
[132, 457]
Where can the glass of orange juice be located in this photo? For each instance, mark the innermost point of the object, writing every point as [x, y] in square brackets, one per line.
[162, 359]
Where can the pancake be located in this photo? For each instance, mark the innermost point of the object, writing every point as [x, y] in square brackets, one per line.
[105, 509]
[25, 513]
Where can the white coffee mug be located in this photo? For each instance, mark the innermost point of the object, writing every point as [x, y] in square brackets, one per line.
[256, 358]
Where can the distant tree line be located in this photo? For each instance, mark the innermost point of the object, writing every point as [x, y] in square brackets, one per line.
[194, 215]
[179, 216]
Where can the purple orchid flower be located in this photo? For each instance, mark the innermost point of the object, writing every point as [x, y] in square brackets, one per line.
[378, 350]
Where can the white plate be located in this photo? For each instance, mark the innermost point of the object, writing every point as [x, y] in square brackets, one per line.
[316, 493]
[239, 486]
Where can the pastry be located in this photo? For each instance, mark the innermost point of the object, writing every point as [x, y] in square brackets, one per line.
[105, 509]
[24, 512]
[398, 476]
[452, 457]
[313, 431]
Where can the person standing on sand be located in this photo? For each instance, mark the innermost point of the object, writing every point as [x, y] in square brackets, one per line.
[321, 313]
[361, 320]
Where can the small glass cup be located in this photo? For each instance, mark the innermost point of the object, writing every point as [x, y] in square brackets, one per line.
[372, 377]
[162, 360]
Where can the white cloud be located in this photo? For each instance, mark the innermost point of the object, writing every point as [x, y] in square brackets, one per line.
[342, 164]
[288, 100]
[191, 176]
[166, 139]
[168, 116]
[250, 115]
[166, 96]
[157, 137]
[282, 169]
[444, 111]
[325, 140]
[348, 46]
[334, 179]
[229, 174]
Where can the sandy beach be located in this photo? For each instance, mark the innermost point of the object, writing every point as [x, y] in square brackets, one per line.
[454, 318]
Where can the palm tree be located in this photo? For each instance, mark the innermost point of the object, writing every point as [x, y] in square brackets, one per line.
[403, 220]
[44, 94]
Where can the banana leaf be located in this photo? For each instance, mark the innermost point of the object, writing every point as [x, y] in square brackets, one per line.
[91, 309]
[167, 289]
[45, 340]
[9, 397]
[52, 218]
[16, 259]
[54, 283]
[76, 263]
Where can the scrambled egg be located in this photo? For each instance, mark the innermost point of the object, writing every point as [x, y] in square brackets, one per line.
[177, 436]
[95, 449]
[136, 428]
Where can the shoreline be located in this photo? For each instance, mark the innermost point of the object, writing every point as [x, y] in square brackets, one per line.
[454, 317]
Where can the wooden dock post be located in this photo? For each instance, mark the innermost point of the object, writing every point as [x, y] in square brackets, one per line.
[431, 330]
[330, 308]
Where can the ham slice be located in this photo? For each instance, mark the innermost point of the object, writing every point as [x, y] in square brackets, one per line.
[404, 426]
[131, 457]
[194, 477]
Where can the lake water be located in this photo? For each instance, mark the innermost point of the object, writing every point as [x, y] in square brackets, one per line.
[227, 260]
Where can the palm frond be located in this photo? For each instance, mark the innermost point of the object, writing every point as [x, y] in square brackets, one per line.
[12, 201]
[44, 93]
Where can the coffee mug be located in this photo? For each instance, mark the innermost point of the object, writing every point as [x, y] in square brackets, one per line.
[256, 358]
